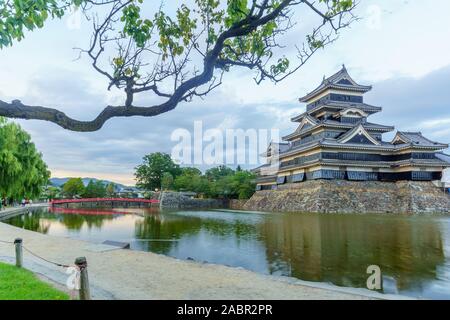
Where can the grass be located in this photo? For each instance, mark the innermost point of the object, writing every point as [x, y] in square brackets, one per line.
[21, 284]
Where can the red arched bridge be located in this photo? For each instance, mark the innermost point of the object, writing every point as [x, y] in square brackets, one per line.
[104, 202]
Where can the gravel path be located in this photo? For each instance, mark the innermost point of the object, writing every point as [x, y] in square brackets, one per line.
[125, 274]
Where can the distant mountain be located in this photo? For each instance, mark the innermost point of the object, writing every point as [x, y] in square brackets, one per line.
[58, 182]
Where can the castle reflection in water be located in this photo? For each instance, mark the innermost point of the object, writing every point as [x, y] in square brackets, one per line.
[339, 249]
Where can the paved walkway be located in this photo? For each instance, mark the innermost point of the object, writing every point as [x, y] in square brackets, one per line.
[125, 274]
[10, 211]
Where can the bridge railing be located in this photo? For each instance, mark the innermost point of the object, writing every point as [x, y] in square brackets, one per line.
[62, 201]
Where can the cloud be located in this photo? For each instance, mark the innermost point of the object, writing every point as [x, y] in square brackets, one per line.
[120, 145]
[409, 104]
[415, 104]
[34, 71]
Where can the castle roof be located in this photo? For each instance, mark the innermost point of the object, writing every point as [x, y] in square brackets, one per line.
[333, 143]
[416, 139]
[338, 106]
[280, 147]
[443, 156]
[341, 80]
[341, 125]
[367, 125]
[334, 136]
[380, 164]
[357, 130]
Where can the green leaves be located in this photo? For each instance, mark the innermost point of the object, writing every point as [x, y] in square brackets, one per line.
[73, 187]
[118, 62]
[236, 11]
[135, 27]
[20, 15]
[280, 67]
[22, 170]
[337, 6]
[177, 54]
[166, 181]
[159, 171]
[95, 189]
[175, 36]
[80, 2]
[150, 173]
[314, 43]
[218, 182]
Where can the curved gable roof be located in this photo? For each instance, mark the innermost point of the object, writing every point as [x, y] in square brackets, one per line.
[306, 119]
[359, 129]
[339, 80]
[415, 138]
[361, 112]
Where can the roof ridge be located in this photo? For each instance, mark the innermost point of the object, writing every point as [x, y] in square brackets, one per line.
[378, 124]
[418, 133]
[411, 132]
[358, 125]
[333, 80]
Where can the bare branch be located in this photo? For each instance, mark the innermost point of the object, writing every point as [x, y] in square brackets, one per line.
[171, 75]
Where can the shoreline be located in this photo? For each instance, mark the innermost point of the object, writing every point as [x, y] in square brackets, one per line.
[6, 213]
[125, 274]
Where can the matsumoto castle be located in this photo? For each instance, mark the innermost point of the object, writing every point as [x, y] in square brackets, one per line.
[335, 140]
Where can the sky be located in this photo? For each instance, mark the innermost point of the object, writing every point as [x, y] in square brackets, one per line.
[399, 47]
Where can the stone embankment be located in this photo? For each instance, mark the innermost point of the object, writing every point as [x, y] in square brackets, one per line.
[11, 211]
[237, 204]
[180, 200]
[339, 196]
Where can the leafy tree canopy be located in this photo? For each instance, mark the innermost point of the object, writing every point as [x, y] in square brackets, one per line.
[158, 171]
[191, 179]
[149, 174]
[243, 184]
[23, 173]
[95, 190]
[218, 182]
[73, 187]
[52, 192]
[214, 174]
[143, 47]
[191, 171]
[166, 181]
[111, 190]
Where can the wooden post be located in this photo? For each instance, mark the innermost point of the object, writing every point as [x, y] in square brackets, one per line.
[19, 252]
[81, 263]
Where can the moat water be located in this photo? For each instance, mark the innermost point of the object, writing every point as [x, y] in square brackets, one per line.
[412, 252]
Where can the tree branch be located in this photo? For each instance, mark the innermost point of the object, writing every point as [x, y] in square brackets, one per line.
[219, 54]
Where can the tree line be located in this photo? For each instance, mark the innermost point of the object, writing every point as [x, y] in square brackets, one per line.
[159, 172]
[23, 172]
[74, 187]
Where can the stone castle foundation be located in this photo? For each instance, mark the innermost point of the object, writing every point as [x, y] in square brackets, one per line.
[341, 196]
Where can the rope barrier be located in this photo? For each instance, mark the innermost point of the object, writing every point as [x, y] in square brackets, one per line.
[48, 261]
[38, 256]
[78, 279]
